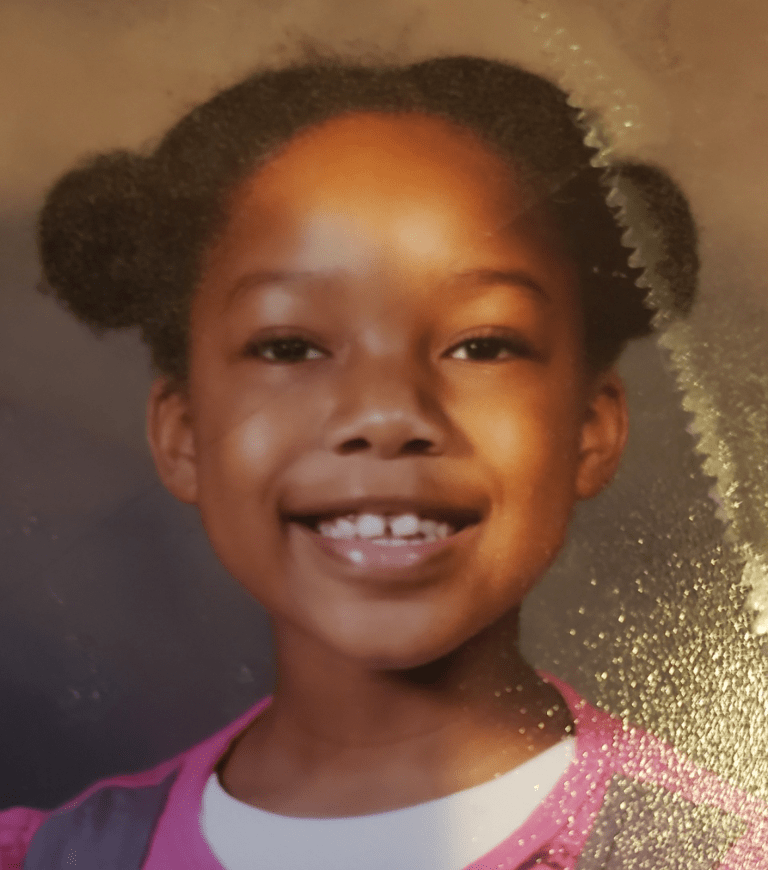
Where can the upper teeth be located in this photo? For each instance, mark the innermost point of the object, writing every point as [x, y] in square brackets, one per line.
[378, 525]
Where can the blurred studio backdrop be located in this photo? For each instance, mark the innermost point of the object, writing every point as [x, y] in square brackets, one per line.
[122, 641]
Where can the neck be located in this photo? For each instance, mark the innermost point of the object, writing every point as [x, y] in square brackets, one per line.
[416, 734]
[345, 703]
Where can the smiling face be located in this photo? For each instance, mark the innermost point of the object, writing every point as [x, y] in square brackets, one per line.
[388, 416]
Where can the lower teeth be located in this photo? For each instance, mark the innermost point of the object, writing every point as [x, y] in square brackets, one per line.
[398, 542]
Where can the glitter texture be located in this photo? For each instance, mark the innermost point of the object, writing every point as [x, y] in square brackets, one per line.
[684, 647]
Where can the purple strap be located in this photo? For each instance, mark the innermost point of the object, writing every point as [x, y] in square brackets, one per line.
[110, 830]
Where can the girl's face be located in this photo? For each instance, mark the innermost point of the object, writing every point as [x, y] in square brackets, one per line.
[388, 417]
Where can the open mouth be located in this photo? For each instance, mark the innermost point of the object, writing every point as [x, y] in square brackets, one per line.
[393, 528]
[385, 539]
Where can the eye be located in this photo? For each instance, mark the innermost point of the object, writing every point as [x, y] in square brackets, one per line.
[285, 349]
[491, 348]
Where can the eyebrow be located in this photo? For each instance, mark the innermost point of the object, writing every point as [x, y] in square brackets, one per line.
[511, 278]
[479, 278]
[255, 280]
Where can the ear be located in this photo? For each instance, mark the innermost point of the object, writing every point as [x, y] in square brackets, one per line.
[603, 434]
[171, 439]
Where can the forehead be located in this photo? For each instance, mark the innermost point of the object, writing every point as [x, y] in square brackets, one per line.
[384, 184]
[380, 148]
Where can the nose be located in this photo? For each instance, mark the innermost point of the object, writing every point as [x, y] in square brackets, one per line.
[389, 413]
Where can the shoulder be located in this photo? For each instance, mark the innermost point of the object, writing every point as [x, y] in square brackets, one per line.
[654, 800]
[44, 839]
[113, 822]
[17, 827]
[627, 750]
[690, 809]
[642, 756]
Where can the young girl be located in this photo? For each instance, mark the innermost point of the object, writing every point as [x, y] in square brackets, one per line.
[384, 304]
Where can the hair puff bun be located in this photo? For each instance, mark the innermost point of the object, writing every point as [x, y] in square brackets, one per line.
[92, 236]
[668, 218]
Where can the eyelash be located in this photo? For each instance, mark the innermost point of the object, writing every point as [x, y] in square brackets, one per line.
[287, 343]
[514, 347]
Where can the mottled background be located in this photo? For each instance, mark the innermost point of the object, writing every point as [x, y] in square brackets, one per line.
[121, 640]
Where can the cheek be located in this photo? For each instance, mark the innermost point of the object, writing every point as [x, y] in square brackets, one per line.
[529, 444]
[238, 473]
[241, 446]
[529, 435]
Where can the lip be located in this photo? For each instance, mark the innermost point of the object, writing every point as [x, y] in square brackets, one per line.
[391, 563]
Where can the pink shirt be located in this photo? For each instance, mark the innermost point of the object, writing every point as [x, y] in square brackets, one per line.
[627, 798]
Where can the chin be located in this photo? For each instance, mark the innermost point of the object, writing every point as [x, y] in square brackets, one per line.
[394, 650]
[401, 662]
[403, 634]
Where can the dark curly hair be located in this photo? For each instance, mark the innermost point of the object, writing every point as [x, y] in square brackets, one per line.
[122, 237]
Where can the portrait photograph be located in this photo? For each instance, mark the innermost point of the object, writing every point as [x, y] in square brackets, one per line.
[383, 435]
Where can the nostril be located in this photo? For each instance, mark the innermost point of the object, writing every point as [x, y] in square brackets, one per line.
[414, 446]
[417, 445]
[353, 445]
